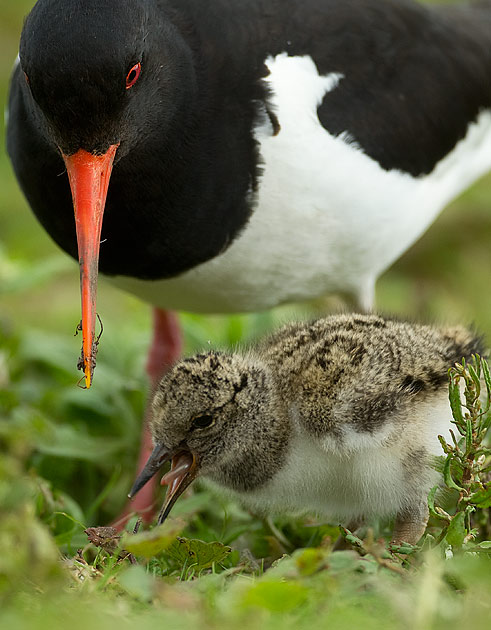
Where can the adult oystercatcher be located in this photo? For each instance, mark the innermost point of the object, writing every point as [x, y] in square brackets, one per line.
[261, 151]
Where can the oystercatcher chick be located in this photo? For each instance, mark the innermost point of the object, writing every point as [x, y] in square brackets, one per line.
[233, 155]
[339, 417]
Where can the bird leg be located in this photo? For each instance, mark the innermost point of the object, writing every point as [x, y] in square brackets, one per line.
[410, 525]
[166, 345]
[164, 351]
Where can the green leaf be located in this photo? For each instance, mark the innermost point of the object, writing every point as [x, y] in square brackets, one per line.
[275, 596]
[310, 561]
[482, 498]
[447, 475]
[404, 549]
[454, 398]
[352, 539]
[456, 530]
[208, 554]
[343, 561]
[444, 445]
[475, 378]
[487, 380]
[180, 552]
[431, 502]
[197, 553]
[151, 543]
[137, 582]
[485, 544]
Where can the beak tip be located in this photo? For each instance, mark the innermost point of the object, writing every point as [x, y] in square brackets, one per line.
[88, 377]
[134, 490]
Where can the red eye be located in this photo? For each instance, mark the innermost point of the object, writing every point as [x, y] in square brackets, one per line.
[26, 78]
[133, 75]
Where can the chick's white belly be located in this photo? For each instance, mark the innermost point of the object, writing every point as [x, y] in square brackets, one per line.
[364, 484]
[327, 217]
[337, 487]
[365, 475]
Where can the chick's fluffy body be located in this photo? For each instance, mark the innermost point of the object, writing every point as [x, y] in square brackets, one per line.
[339, 416]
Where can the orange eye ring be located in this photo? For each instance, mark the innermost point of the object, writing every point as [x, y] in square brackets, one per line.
[133, 75]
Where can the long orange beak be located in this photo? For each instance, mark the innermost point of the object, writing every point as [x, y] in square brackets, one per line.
[89, 180]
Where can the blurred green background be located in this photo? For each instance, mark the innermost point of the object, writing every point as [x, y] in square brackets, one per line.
[443, 278]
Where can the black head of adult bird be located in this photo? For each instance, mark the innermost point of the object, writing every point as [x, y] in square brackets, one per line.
[99, 81]
[261, 151]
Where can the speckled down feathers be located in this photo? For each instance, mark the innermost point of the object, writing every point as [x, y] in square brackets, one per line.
[338, 416]
[359, 370]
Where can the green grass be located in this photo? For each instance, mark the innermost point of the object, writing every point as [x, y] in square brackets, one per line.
[68, 455]
[67, 463]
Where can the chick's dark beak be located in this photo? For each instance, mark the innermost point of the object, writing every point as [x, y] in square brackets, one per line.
[183, 471]
[159, 456]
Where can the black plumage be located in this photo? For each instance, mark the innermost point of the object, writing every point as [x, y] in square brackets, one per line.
[187, 167]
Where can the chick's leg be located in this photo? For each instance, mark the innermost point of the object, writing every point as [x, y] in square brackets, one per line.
[410, 524]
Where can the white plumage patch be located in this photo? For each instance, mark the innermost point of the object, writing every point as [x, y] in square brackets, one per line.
[328, 217]
[366, 475]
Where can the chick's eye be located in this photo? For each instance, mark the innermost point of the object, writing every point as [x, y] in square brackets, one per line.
[201, 422]
[133, 75]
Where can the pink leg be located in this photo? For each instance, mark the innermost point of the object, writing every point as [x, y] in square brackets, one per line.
[165, 350]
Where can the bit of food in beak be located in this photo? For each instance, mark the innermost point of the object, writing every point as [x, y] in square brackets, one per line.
[183, 471]
[89, 176]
